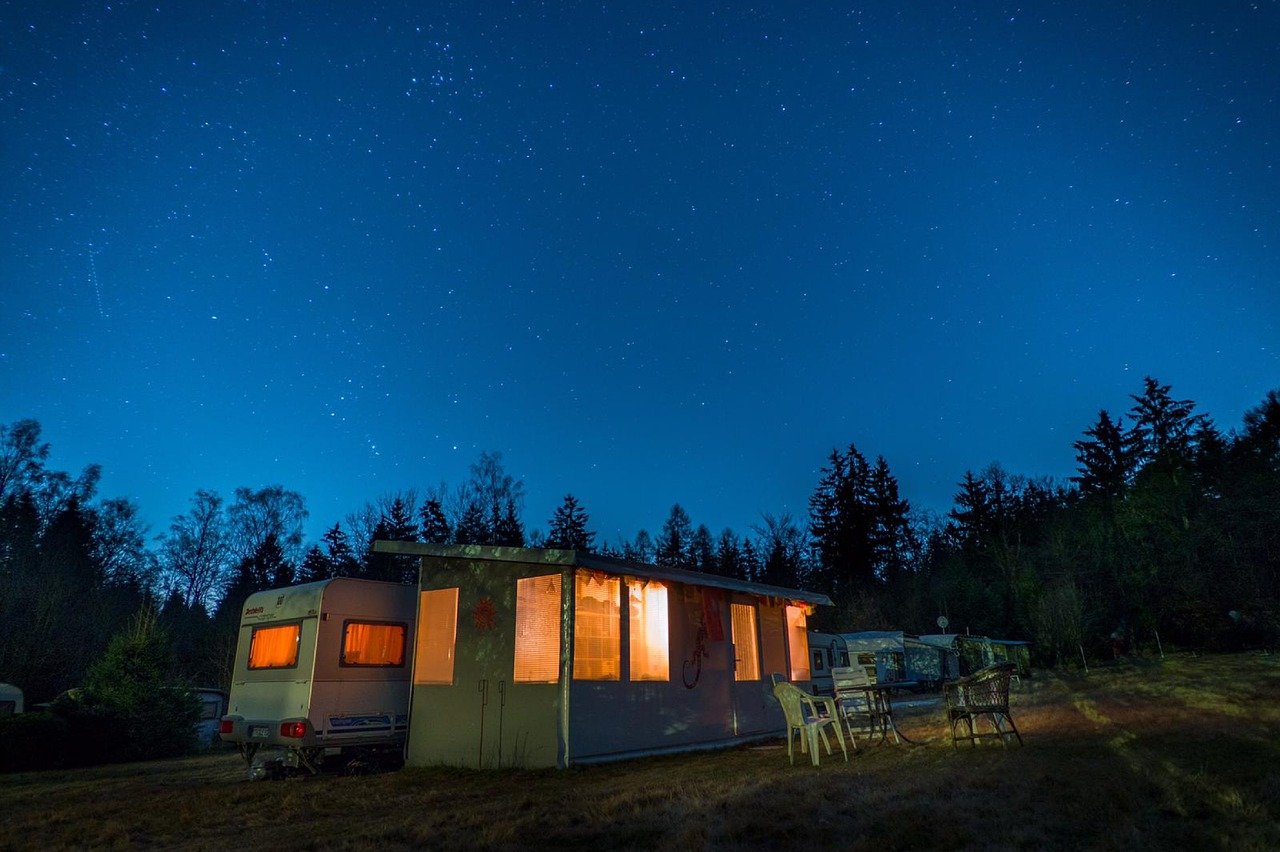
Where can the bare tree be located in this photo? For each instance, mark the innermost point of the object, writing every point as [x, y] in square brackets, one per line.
[196, 550]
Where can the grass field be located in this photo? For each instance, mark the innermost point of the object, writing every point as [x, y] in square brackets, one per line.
[1179, 755]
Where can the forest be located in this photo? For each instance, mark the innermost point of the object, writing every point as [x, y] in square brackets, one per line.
[1165, 537]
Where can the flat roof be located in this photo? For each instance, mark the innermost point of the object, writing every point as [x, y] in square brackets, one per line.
[594, 562]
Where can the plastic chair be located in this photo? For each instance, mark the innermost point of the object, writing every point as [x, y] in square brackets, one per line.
[804, 718]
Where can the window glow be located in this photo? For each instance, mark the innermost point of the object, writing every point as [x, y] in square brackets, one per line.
[597, 625]
[437, 636]
[798, 643]
[371, 644]
[746, 642]
[650, 632]
[274, 647]
[538, 629]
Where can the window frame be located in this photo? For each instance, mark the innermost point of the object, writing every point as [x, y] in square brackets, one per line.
[453, 648]
[253, 631]
[404, 644]
[558, 581]
[754, 608]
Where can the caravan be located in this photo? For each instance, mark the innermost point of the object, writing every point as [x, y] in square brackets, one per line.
[322, 674]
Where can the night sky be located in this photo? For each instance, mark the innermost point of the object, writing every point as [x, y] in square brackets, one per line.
[649, 254]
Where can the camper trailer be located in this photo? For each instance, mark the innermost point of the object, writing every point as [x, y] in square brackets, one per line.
[895, 656]
[322, 674]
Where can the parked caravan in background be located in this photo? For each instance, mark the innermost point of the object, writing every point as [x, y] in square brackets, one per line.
[896, 657]
[213, 706]
[322, 675]
[10, 699]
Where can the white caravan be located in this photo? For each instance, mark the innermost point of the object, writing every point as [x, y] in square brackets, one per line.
[322, 671]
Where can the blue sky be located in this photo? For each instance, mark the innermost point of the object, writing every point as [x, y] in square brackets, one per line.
[652, 254]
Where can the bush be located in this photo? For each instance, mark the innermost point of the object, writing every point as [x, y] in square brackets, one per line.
[130, 694]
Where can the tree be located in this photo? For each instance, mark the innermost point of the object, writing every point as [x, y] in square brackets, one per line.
[119, 545]
[702, 551]
[472, 526]
[841, 521]
[316, 565]
[783, 547]
[568, 527]
[729, 555]
[890, 534]
[1162, 426]
[133, 686]
[435, 527]
[1105, 458]
[195, 552]
[270, 512]
[22, 458]
[640, 549]
[672, 546]
[341, 556]
[509, 530]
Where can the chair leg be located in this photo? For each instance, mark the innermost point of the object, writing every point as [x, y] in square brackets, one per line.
[790, 738]
[813, 745]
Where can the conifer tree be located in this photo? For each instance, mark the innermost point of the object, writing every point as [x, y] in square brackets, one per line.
[672, 546]
[568, 527]
[1105, 458]
[338, 550]
[435, 527]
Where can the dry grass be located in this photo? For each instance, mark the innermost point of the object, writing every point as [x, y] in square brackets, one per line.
[1181, 755]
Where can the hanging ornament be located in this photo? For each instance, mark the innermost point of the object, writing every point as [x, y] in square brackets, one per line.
[484, 615]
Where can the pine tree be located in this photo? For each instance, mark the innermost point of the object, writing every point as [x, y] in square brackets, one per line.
[315, 566]
[702, 551]
[891, 529]
[568, 527]
[340, 554]
[509, 530]
[672, 546]
[729, 555]
[1105, 461]
[751, 567]
[841, 520]
[473, 526]
[1162, 426]
[435, 528]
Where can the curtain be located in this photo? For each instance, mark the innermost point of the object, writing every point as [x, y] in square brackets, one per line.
[437, 636]
[274, 647]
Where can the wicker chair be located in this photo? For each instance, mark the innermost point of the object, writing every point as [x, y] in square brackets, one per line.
[804, 718]
[983, 693]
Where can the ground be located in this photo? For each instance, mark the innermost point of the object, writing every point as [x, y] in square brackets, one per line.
[1181, 754]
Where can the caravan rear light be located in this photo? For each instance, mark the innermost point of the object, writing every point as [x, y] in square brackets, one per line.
[226, 726]
[293, 730]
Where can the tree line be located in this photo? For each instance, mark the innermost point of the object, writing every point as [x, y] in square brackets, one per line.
[1166, 533]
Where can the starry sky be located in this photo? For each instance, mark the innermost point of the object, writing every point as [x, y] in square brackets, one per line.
[651, 253]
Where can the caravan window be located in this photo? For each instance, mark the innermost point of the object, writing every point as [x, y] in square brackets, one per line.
[650, 643]
[275, 647]
[746, 643]
[597, 627]
[437, 636]
[538, 629]
[798, 643]
[373, 643]
[818, 660]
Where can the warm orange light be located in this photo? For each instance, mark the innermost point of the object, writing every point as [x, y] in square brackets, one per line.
[746, 642]
[798, 643]
[437, 636]
[597, 627]
[538, 629]
[650, 632]
[274, 647]
[367, 644]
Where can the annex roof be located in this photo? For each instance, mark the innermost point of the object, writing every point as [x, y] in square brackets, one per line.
[594, 562]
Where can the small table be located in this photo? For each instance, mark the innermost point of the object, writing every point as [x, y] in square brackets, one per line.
[878, 697]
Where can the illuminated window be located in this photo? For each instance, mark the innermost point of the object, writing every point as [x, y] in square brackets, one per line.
[366, 643]
[274, 647]
[597, 625]
[746, 648]
[437, 636]
[798, 643]
[538, 629]
[650, 648]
